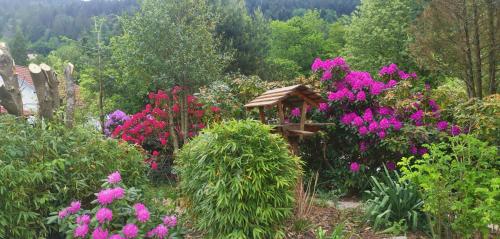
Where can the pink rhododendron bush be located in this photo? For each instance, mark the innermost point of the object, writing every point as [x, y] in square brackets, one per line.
[117, 214]
[378, 120]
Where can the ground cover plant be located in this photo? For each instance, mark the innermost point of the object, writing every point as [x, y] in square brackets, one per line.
[238, 180]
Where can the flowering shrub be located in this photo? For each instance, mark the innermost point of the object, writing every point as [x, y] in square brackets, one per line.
[114, 119]
[114, 216]
[164, 125]
[385, 119]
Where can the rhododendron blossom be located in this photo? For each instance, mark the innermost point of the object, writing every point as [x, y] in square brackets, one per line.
[100, 233]
[114, 178]
[103, 215]
[354, 167]
[81, 231]
[130, 230]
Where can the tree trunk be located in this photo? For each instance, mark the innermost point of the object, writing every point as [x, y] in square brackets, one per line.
[171, 127]
[10, 94]
[492, 66]
[53, 84]
[468, 53]
[70, 95]
[477, 48]
[40, 81]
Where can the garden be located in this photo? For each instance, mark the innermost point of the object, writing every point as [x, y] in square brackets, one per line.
[230, 119]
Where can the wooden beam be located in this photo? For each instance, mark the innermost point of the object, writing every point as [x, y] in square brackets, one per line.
[262, 115]
[303, 117]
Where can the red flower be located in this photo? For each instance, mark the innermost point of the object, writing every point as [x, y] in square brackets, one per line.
[155, 153]
[154, 165]
[215, 109]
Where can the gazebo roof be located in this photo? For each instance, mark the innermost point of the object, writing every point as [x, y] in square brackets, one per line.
[273, 97]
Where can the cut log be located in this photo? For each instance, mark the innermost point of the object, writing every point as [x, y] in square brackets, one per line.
[70, 95]
[40, 82]
[53, 84]
[10, 93]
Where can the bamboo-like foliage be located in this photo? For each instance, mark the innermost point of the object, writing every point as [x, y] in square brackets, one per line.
[238, 180]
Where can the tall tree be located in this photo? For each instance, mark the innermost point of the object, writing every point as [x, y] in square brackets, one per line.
[18, 48]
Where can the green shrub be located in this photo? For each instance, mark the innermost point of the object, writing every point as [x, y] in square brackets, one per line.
[45, 166]
[238, 180]
[392, 200]
[460, 185]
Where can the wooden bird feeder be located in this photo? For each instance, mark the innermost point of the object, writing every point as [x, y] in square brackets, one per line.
[288, 98]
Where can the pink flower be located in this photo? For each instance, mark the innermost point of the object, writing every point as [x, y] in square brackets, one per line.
[358, 121]
[381, 134]
[422, 151]
[385, 111]
[130, 230]
[161, 231]
[363, 130]
[63, 213]
[81, 231]
[83, 219]
[170, 221]
[296, 112]
[442, 125]
[347, 118]
[326, 76]
[142, 215]
[391, 84]
[215, 109]
[384, 124]
[100, 233]
[118, 193]
[373, 126]
[154, 165]
[103, 215]
[361, 96]
[354, 167]
[390, 165]
[363, 146]
[116, 236]
[139, 206]
[114, 178]
[323, 107]
[396, 124]
[368, 115]
[417, 116]
[413, 149]
[74, 207]
[105, 196]
[316, 64]
[455, 130]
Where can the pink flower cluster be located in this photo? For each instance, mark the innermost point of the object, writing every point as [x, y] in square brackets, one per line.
[103, 229]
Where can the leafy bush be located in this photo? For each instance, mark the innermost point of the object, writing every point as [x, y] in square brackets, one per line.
[238, 180]
[392, 200]
[43, 166]
[460, 185]
[117, 213]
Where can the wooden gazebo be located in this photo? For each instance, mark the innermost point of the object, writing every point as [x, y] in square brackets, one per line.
[287, 98]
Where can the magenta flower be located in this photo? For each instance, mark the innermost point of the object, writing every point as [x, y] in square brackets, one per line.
[413, 149]
[83, 219]
[422, 151]
[376, 88]
[354, 167]
[384, 124]
[161, 231]
[100, 233]
[442, 125]
[363, 130]
[81, 231]
[318, 63]
[326, 76]
[417, 116]
[296, 112]
[74, 207]
[105, 196]
[130, 230]
[347, 118]
[170, 221]
[361, 96]
[358, 121]
[142, 215]
[455, 130]
[323, 107]
[373, 126]
[116, 236]
[381, 134]
[368, 115]
[391, 84]
[114, 178]
[396, 124]
[118, 193]
[390, 165]
[63, 213]
[363, 146]
[385, 111]
[103, 215]
[139, 206]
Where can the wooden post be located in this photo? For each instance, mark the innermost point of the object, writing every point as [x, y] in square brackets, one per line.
[303, 118]
[40, 82]
[70, 95]
[262, 115]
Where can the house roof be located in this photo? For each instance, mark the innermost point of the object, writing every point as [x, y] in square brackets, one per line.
[273, 97]
[24, 73]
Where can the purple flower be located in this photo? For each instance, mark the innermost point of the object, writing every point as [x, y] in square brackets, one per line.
[63, 213]
[105, 196]
[83, 219]
[417, 116]
[318, 63]
[103, 215]
[385, 111]
[368, 115]
[363, 130]
[142, 214]
[74, 207]
[422, 151]
[100, 233]
[326, 75]
[81, 231]
[390, 165]
[354, 167]
[381, 134]
[118, 193]
[396, 124]
[357, 121]
[160, 231]
[434, 106]
[116, 236]
[296, 112]
[361, 96]
[455, 130]
[388, 70]
[323, 107]
[170, 221]
[376, 88]
[442, 125]
[363, 146]
[373, 127]
[384, 124]
[130, 230]
[347, 118]
[114, 178]
[413, 149]
[391, 84]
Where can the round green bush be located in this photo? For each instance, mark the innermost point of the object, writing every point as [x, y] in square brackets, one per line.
[45, 166]
[238, 180]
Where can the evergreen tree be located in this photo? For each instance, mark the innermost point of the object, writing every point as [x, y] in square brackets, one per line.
[18, 48]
